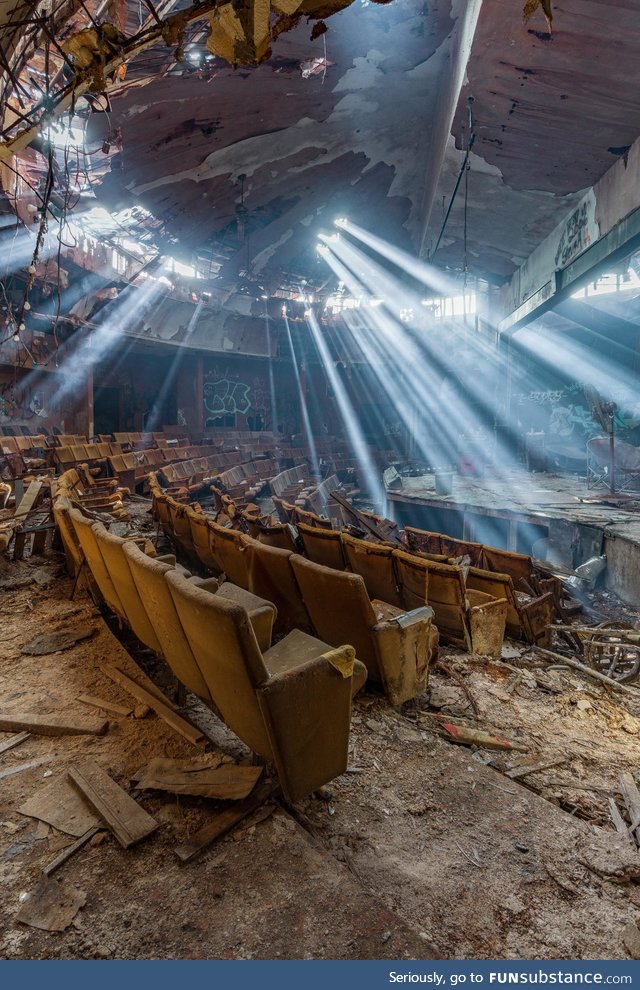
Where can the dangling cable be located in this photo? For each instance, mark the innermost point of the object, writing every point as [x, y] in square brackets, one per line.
[465, 164]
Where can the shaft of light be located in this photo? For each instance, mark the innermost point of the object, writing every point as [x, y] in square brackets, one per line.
[303, 403]
[434, 278]
[349, 417]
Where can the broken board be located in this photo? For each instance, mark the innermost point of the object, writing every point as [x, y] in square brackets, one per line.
[224, 822]
[59, 804]
[52, 906]
[14, 741]
[50, 725]
[161, 708]
[107, 706]
[199, 778]
[53, 642]
[127, 820]
[70, 851]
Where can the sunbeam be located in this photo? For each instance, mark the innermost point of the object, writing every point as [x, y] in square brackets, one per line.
[348, 414]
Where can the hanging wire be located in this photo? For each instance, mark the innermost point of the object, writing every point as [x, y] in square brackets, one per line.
[466, 161]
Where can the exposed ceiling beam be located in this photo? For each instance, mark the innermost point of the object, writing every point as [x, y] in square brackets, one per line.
[449, 84]
[60, 101]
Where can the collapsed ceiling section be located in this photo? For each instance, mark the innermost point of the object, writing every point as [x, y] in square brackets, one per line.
[221, 138]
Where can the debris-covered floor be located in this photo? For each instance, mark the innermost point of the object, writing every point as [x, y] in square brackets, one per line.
[424, 848]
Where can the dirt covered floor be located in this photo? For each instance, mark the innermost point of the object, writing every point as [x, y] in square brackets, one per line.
[423, 849]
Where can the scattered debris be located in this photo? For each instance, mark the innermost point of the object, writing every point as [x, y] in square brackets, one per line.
[631, 939]
[69, 851]
[201, 777]
[570, 662]
[60, 805]
[468, 736]
[127, 820]
[54, 642]
[224, 822]
[49, 725]
[14, 741]
[51, 906]
[524, 770]
[632, 800]
[161, 708]
[107, 706]
[12, 771]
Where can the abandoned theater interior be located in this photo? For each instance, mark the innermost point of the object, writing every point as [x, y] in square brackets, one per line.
[319, 479]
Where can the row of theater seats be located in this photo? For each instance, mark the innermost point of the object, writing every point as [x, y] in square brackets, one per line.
[472, 604]
[103, 495]
[289, 702]
[396, 644]
[400, 575]
[243, 481]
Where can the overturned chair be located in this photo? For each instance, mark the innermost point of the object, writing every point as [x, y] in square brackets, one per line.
[395, 645]
[291, 704]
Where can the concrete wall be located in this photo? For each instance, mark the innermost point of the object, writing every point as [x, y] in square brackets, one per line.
[602, 207]
[623, 569]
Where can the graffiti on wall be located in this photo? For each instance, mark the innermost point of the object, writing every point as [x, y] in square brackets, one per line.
[565, 412]
[224, 397]
[580, 230]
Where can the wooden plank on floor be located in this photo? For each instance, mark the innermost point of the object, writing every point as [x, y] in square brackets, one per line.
[127, 820]
[22, 766]
[526, 769]
[224, 822]
[67, 853]
[14, 741]
[60, 804]
[106, 706]
[172, 718]
[50, 725]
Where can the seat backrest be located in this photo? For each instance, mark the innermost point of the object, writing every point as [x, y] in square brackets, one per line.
[271, 577]
[161, 511]
[453, 548]
[149, 577]
[374, 563]
[70, 481]
[81, 453]
[228, 546]
[498, 586]
[517, 565]
[277, 535]
[83, 527]
[180, 524]
[226, 650]
[323, 546]
[112, 550]
[312, 519]
[200, 537]
[339, 607]
[413, 579]
[445, 595]
[65, 455]
[423, 540]
[72, 547]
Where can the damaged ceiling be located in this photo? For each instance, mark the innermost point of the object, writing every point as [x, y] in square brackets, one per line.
[246, 165]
